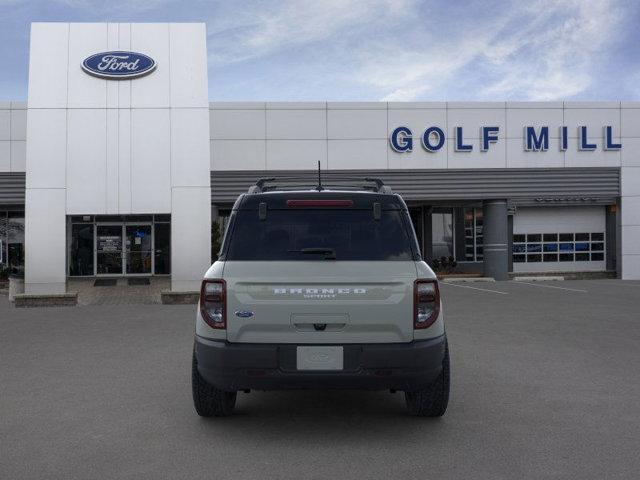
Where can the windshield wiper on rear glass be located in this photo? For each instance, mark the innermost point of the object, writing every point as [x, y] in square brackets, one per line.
[329, 253]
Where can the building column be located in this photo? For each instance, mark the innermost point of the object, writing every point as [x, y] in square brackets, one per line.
[495, 248]
[610, 238]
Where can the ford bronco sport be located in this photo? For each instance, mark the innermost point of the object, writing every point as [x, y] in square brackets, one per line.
[318, 289]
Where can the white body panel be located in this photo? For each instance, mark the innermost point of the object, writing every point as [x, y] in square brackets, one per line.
[359, 301]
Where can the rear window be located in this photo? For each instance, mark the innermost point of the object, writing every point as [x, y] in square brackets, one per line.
[303, 235]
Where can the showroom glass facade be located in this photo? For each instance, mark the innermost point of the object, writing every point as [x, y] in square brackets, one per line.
[12, 241]
[110, 245]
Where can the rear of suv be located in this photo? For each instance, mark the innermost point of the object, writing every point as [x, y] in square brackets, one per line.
[320, 289]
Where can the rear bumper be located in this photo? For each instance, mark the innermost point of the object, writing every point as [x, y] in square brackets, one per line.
[400, 366]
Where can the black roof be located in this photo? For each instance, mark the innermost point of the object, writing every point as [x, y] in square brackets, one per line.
[278, 199]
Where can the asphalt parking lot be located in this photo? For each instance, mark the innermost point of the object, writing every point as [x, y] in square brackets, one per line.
[546, 384]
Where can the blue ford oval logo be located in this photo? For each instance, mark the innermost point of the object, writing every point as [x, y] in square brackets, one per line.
[243, 313]
[118, 65]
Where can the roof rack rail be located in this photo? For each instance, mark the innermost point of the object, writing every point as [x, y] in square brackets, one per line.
[263, 184]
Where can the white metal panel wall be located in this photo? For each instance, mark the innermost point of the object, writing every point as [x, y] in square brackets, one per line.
[541, 220]
[268, 136]
[110, 147]
[13, 131]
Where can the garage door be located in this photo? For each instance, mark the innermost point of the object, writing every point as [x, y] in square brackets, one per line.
[559, 239]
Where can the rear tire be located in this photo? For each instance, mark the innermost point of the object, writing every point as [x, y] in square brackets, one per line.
[207, 399]
[433, 400]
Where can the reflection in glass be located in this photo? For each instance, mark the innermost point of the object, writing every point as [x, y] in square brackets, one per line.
[109, 249]
[138, 247]
[442, 234]
[81, 250]
[162, 248]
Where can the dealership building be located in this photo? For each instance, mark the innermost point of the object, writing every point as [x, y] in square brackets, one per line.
[118, 164]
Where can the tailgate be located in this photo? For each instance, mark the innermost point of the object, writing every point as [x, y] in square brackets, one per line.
[320, 301]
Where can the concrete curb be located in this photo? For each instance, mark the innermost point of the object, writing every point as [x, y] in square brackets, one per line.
[23, 300]
[468, 279]
[550, 278]
[179, 298]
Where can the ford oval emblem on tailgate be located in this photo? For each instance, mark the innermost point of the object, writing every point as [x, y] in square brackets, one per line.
[243, 313]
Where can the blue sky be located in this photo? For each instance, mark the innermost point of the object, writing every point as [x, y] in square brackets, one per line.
[377, 49]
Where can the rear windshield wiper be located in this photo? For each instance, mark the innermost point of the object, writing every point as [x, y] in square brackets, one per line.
[329, 253]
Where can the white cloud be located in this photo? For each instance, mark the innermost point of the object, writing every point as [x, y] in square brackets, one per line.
[543, 51]
[254, 32]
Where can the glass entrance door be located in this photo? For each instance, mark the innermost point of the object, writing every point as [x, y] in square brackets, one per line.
[109, 250]
[139, 249]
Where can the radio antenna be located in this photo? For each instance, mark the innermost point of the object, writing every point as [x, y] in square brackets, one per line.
[319, 178]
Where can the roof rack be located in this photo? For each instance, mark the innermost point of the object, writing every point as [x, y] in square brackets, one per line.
[263, 185]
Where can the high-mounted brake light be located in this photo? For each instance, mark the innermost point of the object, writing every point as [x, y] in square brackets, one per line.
[426, 303]
[213, 303]
[319, 203]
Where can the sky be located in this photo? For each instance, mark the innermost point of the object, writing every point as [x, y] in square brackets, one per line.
[377, 50]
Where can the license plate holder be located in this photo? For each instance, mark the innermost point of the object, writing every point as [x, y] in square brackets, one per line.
[320, 358]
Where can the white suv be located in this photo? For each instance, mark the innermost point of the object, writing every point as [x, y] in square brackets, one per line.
[319, 289]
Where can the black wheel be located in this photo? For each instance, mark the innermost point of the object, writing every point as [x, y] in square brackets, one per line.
[207, 399]
[433, 400]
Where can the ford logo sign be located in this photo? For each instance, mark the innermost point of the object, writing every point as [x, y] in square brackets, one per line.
[118, 65]
[243, 313]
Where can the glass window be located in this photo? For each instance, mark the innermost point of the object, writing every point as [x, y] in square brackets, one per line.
[550, 237]
[566, 237]
[519, 238]
[566, 247]
[15, 241]
[534, 237]
[138, 248]
[597, 257]
[479, 234]
[534, 258]
[597, 247]
[534, 247]
[550, 257]
[582, 237]
[582, 257]
[469, 237]
[3, 238]
[597, 237]
[81, 250]
[519, 258]
[519, 248]
[301, 234]
[82, 218]
[566, 257]
[109, 249]
[162, 250]
[442, 234]
[550, 247]
[582, 247]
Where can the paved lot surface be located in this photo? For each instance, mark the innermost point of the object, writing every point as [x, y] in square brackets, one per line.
[120, 294]
[546, 384]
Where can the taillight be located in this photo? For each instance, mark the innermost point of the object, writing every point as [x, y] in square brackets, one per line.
[213, 303]
[426, 303]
